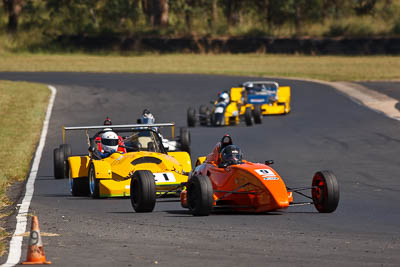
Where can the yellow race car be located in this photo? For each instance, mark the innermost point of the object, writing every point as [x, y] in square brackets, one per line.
[267, 96]
[141, 167]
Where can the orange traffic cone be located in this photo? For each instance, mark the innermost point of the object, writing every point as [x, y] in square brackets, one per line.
[35, 249]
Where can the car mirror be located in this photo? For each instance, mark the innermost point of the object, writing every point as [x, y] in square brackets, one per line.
[91, 149]
[269, 162]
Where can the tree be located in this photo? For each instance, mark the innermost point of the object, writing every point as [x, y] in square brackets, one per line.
[364, 7]
[160, 13]
[13, 9]
[232, 10]
[156, 12]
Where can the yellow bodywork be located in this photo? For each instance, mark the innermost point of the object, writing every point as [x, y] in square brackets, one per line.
[170, 170]
[281, 106]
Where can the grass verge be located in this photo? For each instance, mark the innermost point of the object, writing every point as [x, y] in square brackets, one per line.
[22, 111]
[330, 68]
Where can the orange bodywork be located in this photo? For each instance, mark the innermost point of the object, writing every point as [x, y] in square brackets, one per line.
[252, 187]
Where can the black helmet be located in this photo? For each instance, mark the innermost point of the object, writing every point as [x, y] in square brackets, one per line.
[230, 155]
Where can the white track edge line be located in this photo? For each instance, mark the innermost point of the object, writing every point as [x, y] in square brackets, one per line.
[14, 254]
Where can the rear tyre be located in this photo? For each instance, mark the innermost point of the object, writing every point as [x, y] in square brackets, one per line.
[257, 114]
[191, 117]
[66, 148]
[58, 163]
[325, 191]
[200, 195]
[143, 191]
[185, 139]
[203, 115]
[94, 183]
[248, 117]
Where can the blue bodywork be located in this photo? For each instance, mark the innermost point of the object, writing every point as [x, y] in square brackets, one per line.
[261, 93]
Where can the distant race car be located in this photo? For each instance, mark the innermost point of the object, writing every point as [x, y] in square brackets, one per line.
[226, 110]
[249, 187]
[140, 167]
[180, 142]
[265, 95]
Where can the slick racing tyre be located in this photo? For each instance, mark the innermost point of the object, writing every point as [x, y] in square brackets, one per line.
[58, 163]
[257, 114]
[191, 117]
[143, 191]
[325, 191]
[248, 117]
[66, 148]
[94, 183]
[203, 116]
[79, 187]
[200, 195]
[185, 139]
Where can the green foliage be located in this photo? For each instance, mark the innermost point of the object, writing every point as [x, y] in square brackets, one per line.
[396, 27]
[42, 22]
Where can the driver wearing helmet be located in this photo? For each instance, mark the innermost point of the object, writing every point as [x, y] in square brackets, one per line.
[231, 155]
[223, 97]
[109, 144]
[147, 117]
[107, 121]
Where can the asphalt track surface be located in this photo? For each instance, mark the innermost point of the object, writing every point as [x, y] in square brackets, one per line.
[325, 130]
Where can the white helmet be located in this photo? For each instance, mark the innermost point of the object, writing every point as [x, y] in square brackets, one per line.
[224, 97]
[147, 117]
[109, 142]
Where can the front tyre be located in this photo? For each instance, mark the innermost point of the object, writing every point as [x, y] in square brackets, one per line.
[94, 183]
[79, 186]
[200, 195]
[67, 151]
[143, 191]
[257, 114]
[248, 116]
[185, 139]
[58, 163]
[325, 191]
[191, 117]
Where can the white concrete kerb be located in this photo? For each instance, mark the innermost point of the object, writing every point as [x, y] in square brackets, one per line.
[374, 100]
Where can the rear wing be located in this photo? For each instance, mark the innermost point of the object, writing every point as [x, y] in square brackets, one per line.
[124, 126]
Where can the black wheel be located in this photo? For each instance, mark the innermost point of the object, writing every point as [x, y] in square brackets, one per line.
[203, 115]
[94, 183]
[200, 195]
[185, 139]
[248, 117]
[191, 117]
[257, 114]
[143, 191]
[79, 187]
[58, 163]
[325, 191]
[66, 148]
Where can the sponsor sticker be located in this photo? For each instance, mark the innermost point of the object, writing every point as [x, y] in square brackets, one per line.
[267, 174]
[164, 177]
[271, 178]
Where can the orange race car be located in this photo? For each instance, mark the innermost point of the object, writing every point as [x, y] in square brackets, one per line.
[224, 180]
